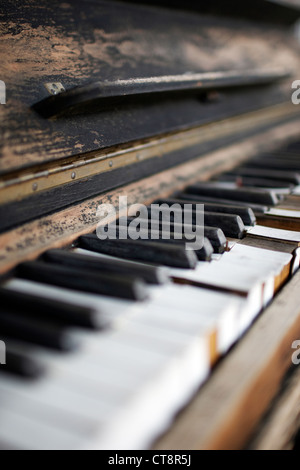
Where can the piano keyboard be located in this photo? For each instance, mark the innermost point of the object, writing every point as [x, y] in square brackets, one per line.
[107, 340]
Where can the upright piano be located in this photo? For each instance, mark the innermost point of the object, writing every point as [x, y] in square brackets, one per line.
[136, 342]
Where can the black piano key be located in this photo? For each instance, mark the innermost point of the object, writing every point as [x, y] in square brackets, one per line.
[214, 234]
[49, 309]
[83, 280]
[278, 154]
[157, 253]
[249, 181]
[275, 163]
[287, 177]
[257, 196]
[149, 274]
[16, 325]
[19, 363]
[256, 208]
[293, 146]
[282, 155]
[245, 213]
[203, 254]
[232, 225]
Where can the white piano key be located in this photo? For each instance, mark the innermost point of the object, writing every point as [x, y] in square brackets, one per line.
[248, 284]
[190, 351]
[296, 191]
[81, 416]
[155, 394]
[296, 261]
[223, 275]
[47, 401]
[253, 253]
[251, 306]
[268, 290]
[136, 359]
[262, 267]
[208, 319]
[186, 297]
[272, 263]
[109, 308]
[240, 270]
[275, 233]
[284, 212]
[24, 433]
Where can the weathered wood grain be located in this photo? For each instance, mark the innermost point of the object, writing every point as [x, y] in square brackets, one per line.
[28, 241]
[278, 429]
[279, 222]
[44, 42]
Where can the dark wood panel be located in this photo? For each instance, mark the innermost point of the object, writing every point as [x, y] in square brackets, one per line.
[18, 212]
[59, 229]
[79, 42]
[281, 11]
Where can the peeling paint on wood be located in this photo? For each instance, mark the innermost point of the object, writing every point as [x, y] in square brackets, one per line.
[62, 42]
[64, 227]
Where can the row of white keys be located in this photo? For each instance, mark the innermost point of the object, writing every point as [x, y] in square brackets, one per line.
[131, 366]
[202, 307]
[288, 236]
[272, 263]
[265, 264]
[187, 302]
[249, 305]
[168, 296]
[173, 297]
[95, 396]
[250, 271]
[238, 279]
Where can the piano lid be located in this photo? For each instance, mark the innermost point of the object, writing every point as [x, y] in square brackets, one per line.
[50, 47]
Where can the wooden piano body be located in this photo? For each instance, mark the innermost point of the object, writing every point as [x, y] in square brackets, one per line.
[59, 160]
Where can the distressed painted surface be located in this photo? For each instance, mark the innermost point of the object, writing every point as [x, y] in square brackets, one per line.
[79, 42]
[59, 229]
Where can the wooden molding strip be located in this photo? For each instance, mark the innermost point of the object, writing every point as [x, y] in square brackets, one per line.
[30, 240]
[18, 185]
[228, 408]
[278, 430]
